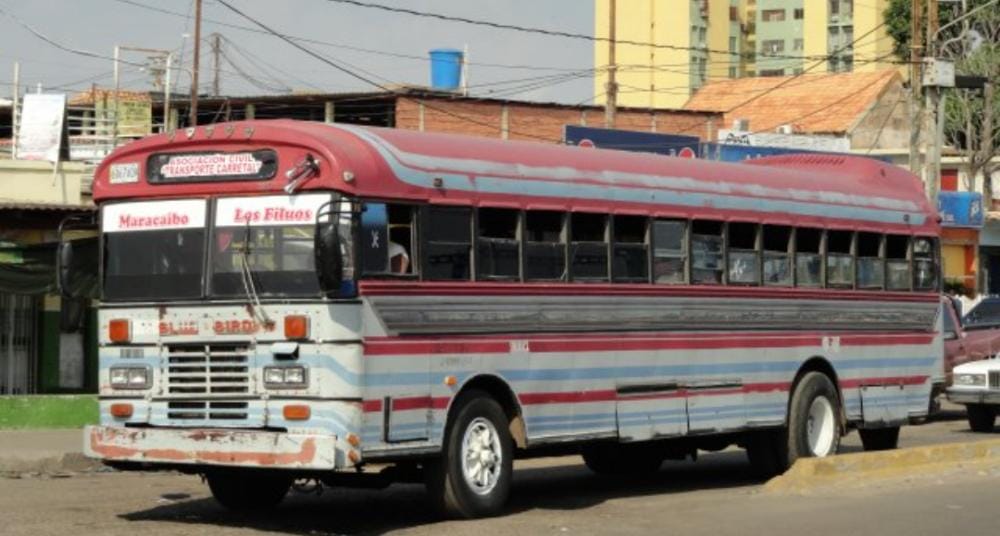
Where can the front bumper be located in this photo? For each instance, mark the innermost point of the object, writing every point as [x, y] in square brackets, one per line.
[966, 396]
[217, 447]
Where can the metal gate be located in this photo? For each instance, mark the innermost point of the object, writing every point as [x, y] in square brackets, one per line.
[18, 343]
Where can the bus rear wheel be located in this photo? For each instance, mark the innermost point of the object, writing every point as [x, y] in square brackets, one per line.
[814, 427]
[248, 492]
[472, 476]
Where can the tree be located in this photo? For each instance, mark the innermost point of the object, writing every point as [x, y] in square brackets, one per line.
[972, 125]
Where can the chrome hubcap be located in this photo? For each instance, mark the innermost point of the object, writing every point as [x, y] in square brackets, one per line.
[482, 457]
[821, 427]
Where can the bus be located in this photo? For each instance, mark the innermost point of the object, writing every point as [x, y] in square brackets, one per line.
[283, 300]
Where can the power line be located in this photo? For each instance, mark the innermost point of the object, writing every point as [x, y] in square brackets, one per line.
[552, 33]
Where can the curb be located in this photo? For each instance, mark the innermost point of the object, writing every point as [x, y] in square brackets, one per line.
[808, 472]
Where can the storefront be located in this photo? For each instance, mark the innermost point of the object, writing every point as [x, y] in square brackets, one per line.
[962, 223]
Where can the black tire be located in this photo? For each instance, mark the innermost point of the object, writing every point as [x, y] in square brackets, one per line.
[812, 386]
[767, 451]
[248, 492]
[623, 459]
[981, 417]
[879, 438]
[449, 489]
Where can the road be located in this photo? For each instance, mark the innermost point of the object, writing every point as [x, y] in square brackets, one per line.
[715, 495]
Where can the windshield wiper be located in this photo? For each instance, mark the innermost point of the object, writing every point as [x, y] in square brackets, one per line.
[247, 274]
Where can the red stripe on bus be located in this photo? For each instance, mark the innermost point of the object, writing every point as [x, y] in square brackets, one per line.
[410, 347]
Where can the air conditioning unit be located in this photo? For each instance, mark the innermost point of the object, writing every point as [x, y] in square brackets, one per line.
[741, 125]
[785, 129]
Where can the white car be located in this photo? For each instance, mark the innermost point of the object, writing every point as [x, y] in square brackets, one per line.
[977, 385]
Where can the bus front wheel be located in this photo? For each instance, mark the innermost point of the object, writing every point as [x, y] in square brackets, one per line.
[471, 478]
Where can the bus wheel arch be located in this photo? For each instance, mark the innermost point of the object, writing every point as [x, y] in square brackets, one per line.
[500, 391]
[822, 365]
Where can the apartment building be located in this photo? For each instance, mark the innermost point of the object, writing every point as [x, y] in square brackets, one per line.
[677, 46]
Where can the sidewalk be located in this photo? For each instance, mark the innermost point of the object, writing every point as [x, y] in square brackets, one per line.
[43, 451]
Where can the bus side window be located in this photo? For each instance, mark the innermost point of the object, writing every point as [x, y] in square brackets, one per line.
[631, 253]
[840, 259]
[589, 247]
[871, 261]
[545, 246]
[743, 254]
[777, 255]
[897, 262]
[706, 252]
[447, 239]
[669, 251]
[387, 233]
[402, 238]
[808, 261]
[925, 267]
[498, 246]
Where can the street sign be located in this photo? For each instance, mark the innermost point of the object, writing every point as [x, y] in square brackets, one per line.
[629, 140]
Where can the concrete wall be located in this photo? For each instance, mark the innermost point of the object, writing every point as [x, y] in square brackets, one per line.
[786, 31]
[24, 181]
[886, 124]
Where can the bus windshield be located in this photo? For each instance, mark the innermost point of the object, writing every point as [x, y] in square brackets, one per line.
[279, 259]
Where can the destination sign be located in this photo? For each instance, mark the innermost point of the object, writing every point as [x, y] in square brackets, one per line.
[212, 167]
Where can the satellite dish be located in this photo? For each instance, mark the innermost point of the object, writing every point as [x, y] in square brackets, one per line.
[973, 40]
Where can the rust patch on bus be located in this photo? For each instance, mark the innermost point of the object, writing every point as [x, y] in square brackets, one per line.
[100, 445]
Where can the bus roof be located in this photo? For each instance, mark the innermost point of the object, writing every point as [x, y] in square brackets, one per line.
[391, 164]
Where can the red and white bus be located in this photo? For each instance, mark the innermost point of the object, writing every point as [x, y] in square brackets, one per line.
[284, 300]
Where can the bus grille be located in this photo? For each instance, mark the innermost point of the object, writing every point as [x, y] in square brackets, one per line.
[197, 371]
[202, 410]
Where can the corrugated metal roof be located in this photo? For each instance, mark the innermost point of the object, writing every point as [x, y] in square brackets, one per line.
[24, 205]
[812, 103]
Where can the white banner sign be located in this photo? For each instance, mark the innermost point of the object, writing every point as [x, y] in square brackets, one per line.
[788, 141]
[154, 216]
[269, 210]
[39, 136]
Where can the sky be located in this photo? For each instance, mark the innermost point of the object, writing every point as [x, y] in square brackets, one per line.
[502, 63]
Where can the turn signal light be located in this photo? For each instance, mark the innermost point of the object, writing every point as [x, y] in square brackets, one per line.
[296, 413]
[120, 330]
[296, 327]
[121, 411]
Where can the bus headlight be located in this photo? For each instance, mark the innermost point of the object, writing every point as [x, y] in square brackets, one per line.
[129, 378]
[285, 377]
[972, 380]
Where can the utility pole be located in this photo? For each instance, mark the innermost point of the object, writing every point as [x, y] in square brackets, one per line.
[193, 120]
[987, 143]
[933, 120]
[216, 49]
[611, 105]
[916, 84]
[16, 112]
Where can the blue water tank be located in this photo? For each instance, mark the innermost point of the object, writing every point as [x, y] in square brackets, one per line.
[446, 68]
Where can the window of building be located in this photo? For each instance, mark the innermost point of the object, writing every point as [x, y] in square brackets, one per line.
[777, 255]
[798, 44]
[669, 251]
[732, 72]
[925, 266]
[772, 46]
[702, 34]
[498, 245]
[772, 15]
[732, 44]
[897, 262]
[743, 255]
[871, 264]
[800, 13]
[589, 247]
[808, 261]
[544, 246]
[447, 235]
[706, 252]
[840, 259]
[834, 7]
[630, 262]
[772, 72]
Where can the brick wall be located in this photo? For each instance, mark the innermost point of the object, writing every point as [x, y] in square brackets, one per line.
[539, 122]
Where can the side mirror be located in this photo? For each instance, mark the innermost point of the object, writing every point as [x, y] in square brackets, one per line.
[76, 268]
[64, 260]
[327, 249]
